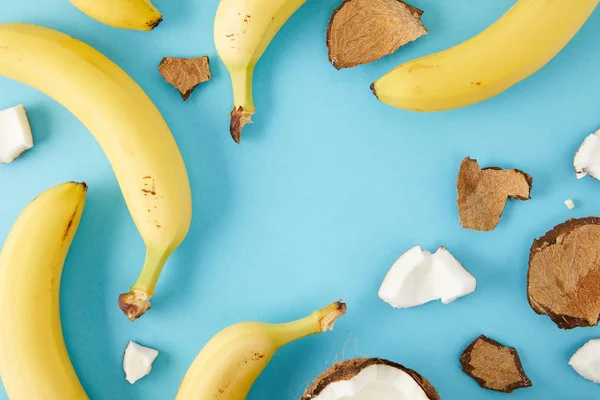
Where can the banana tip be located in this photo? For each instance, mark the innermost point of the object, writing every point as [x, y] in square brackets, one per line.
[134, 304]
[373, 90]
[153, 24]
[239, 118]
[331, 313]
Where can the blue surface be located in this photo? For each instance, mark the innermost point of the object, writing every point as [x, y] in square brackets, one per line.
[328, 188]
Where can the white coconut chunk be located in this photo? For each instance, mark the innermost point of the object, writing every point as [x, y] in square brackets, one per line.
[381, 382]
[587, 158]
[418, 277]
[137, 361]
[15, 134]
[570, 204]
[586, 361]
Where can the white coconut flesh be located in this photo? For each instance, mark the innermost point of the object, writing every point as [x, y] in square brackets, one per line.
[376, 382]
[15, 134]
[419, 277]
[137, 361]
[587, 158]
[586, 361]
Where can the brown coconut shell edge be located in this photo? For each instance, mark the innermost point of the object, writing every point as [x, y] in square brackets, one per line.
[348, 369]
[549, 239]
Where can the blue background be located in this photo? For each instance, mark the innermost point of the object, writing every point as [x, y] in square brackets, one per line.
[328, 188]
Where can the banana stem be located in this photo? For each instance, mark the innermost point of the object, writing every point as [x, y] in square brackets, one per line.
[243, 102]
[135, 303]
[318, 322]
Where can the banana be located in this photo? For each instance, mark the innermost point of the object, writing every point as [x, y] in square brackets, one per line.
[521, 42]
[228, 365]
[129, 128]
[34, 362]
[140, 15]
[243, 30]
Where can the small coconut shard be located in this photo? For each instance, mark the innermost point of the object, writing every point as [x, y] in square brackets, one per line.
[185, 74]
[239, 118]
[418, 277]
[587, 158]
[370, 378]
[494, 366]
[15, 134]
[563, 281]
[586, 361]
[363, 31]
[137, 361]
[134, 304]
[570, 204]
[482, 193]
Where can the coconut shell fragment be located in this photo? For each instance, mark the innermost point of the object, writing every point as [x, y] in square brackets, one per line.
[363, 31]
[494, 366]
[185, 74]
[482, 193]
[349, 369]
[563, 281]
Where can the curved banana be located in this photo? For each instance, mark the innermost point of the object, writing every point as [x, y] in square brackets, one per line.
[243, 30]
[129, 128]
[521, 42]
[139, 15]
[34, 362]
[228, 365]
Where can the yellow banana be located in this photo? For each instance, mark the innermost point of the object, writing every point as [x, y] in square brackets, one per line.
[243, 30]
[228, 365]
[129, 128]
[34, 363]
[140, 15]
[521, 42]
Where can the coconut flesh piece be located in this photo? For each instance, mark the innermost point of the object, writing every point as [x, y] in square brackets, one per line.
[587, 158]
[15, 134]
[369, 379]
[586, 361]
[419, 277]
[137, 361]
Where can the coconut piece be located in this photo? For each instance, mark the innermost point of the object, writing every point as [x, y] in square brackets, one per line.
[587, 158]
[494, 366]
[362, 31]
[418, 277]
[137, 361]
[482, 193]
[370, 378]
[15, 134]
[570, 204]
[185, 74]
[586, 361]
[563, 281]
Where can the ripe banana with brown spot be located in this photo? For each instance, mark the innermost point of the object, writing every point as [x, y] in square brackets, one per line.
[243, 30]
[34, 363]
[129, 128]
[140, 15]
[228, 365]
[521, 42]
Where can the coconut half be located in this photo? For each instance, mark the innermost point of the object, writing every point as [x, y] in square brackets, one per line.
[370, 379]
[137, 361]
[586, 361]
[587, 158]
[15, 134]
[418, 277]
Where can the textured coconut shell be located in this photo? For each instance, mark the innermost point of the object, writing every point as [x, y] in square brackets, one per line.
[563, 280]
[482, 193]
[494, 366]
[185, 74]
[348, 369]
[362, 31]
